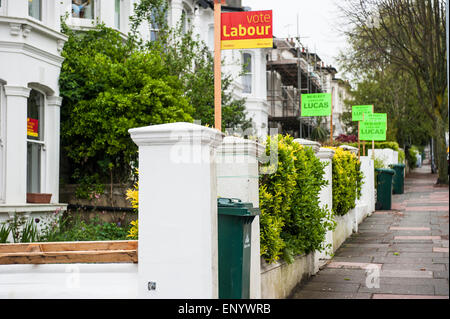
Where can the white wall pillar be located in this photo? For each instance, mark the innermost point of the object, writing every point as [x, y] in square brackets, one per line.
[395, 158]
[238, 177]
[326, 200]
[178, 239]
[308, 143]
[351, 149]
[16, 144]
[368, 187]
[52, 138]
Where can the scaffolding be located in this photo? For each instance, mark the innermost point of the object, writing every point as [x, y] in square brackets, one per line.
[292, 71]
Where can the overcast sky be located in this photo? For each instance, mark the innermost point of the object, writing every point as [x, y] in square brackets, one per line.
[317, 20]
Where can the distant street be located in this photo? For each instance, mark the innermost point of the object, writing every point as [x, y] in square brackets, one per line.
[403, 251]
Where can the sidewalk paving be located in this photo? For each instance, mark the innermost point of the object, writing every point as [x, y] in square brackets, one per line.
[398, 254]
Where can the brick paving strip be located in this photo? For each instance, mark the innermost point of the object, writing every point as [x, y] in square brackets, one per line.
[398, 254]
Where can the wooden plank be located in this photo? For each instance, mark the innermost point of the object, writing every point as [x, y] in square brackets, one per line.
[69, 246]
[68, 257]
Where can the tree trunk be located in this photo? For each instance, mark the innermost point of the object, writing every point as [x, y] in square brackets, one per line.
[441, 152]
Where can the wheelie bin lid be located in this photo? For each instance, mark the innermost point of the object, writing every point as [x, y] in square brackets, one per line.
[234, 206]
[385, 171]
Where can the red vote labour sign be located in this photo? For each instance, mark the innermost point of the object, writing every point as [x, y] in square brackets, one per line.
[246, 30]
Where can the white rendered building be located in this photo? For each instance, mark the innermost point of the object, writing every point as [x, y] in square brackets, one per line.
[30, 63]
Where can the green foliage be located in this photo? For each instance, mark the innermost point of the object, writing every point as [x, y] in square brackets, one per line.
[401, 157]
[191, 61]
[30, 232]
[292, 222]
[22, 229]
[319, 134]
[73, 228]
[108, 87]
[4, 233]
[379, 163]
[411, 156]
[347, 181]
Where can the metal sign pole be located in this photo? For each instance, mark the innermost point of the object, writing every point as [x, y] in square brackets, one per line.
[217, 65]
[331, 118]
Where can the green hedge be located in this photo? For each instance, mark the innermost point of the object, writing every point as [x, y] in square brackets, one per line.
[347, 181]
[292, 222]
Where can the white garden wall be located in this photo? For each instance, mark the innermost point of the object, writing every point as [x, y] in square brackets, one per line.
[72, 281]
[387, 155]
[178, 238]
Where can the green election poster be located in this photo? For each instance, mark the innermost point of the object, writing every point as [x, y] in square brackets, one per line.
[375, 117]
[358, 110]
[316, 104]
[373, 128]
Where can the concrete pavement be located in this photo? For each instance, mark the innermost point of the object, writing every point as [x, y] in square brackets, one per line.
[398, 254]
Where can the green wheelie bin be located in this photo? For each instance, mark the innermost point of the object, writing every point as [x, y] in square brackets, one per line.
[399, 178]
[384, 188]
[235, 232]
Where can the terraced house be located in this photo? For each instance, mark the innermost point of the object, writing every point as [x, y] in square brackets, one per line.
[30, 63]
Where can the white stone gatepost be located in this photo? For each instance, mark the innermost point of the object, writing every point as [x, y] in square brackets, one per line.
[307, 143]
[238, 177]
[368, 187]
[349, 148]
[326, 200]
[178, 242]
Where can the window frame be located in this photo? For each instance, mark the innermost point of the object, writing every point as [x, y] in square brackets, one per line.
[41, 142]
[117, 17]
[85, 22]
[246, 73]
[40, 10]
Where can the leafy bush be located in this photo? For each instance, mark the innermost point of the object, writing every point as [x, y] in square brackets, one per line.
[347, 181]
[109, 86]
[72, 228]
[133, 196]
[4, 233]
[343, 138]
[411, 156]
[401, 157]
[292, 222]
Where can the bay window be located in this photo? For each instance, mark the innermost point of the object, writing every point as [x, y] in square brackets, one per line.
[35, 140]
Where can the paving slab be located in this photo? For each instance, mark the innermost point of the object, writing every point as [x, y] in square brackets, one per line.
[331, 286]
[404, 250]
[330, 295]
[400, 289]
[420, 267]
[392, 296]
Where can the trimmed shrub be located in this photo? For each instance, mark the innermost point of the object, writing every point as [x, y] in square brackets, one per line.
[347, 181]
[292, 222]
